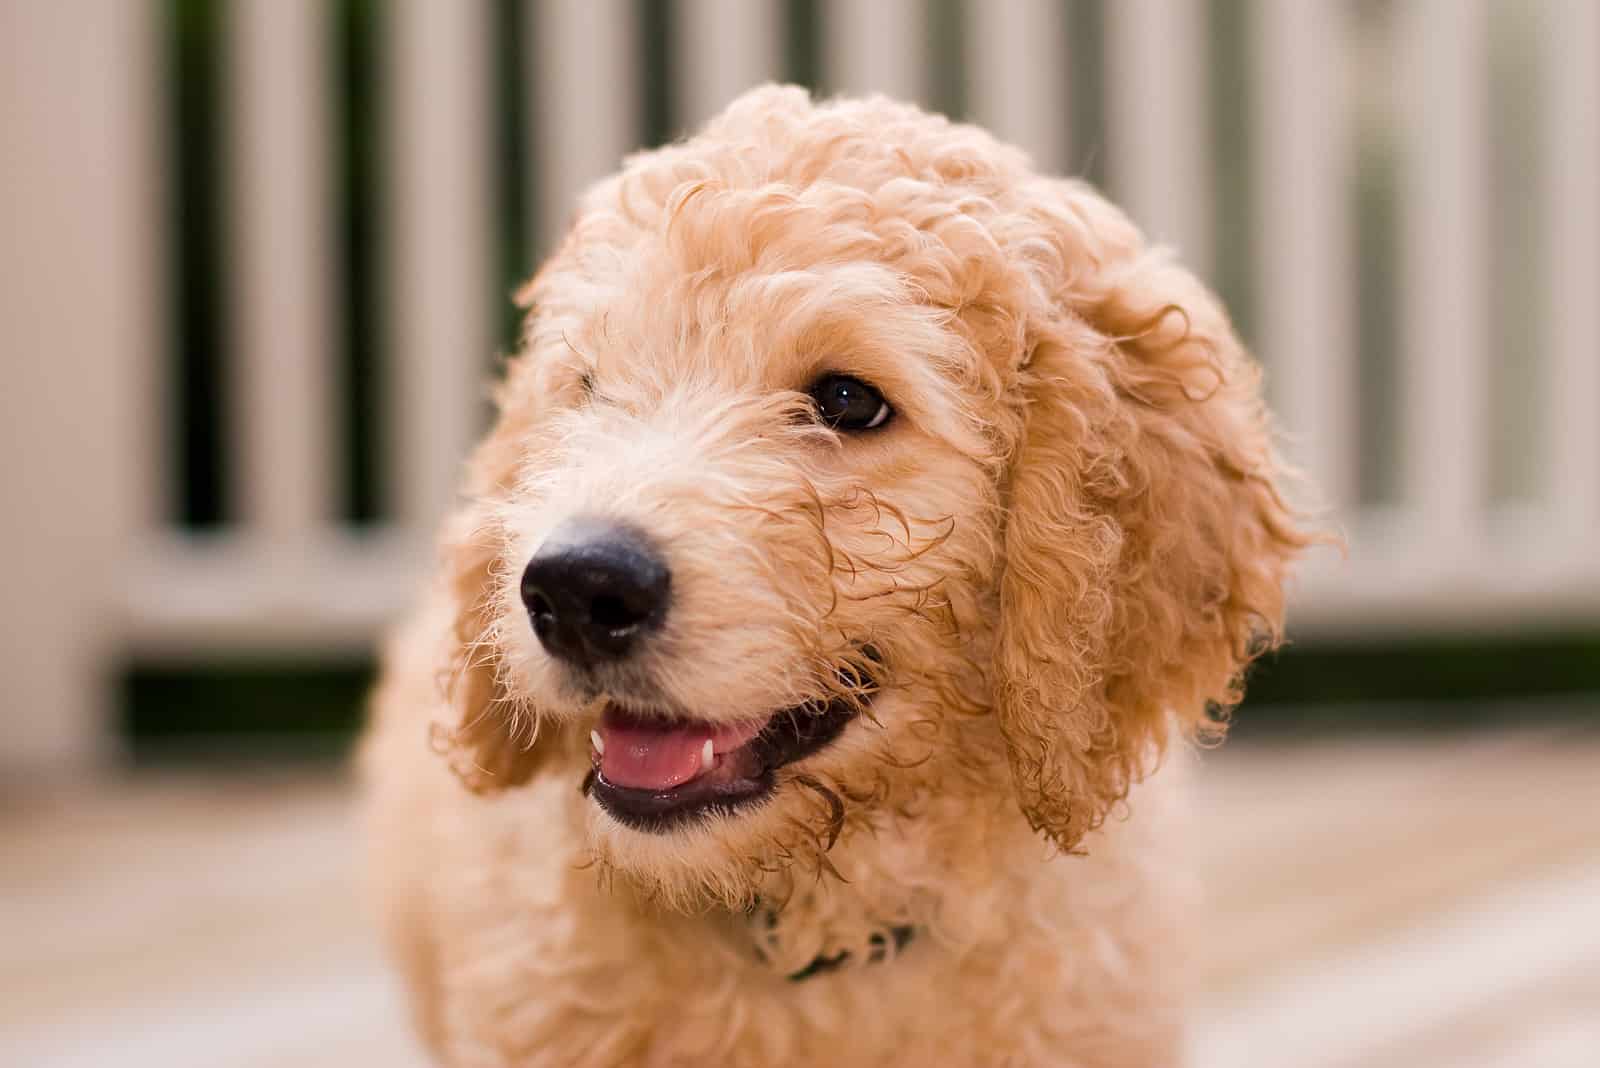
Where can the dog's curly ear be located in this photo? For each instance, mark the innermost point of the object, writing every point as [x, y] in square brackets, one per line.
[491, 740]
[1146, 544]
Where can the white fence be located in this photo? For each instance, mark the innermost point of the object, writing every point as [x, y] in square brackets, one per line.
[96, 575]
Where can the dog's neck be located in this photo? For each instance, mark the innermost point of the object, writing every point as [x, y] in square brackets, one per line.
[781, 940]
[882, 947]
[887, 885]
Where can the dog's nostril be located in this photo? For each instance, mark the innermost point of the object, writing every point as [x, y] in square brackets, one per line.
[613, 613]
[541, 611]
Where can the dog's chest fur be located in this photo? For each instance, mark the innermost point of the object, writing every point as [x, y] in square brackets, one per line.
[1019, 959]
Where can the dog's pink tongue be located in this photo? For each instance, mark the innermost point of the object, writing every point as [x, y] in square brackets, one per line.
[651, 755]
[647, 756]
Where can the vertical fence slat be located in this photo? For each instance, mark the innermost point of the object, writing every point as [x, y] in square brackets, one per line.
[1304, 262]
[878, 47]
[81, 216]
[1017, 51]
[586, 94]
[1156, 127]
[1445, 205]
[78, 416]
[724, 47]
[1571, 66]
[440, 296]
[281, 287]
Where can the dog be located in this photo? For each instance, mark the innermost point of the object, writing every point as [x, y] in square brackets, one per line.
[866, 517]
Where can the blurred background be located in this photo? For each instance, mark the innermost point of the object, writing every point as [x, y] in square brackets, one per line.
[257, 265]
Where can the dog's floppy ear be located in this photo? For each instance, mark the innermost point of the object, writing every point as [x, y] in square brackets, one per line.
[1146, 545]
[493, 740]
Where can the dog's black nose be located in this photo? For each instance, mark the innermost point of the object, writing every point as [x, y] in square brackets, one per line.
[593, 589]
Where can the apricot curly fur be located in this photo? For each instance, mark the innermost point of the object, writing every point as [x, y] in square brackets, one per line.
[1055, 564]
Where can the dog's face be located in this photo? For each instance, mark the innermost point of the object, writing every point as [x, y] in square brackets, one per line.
[847, 462]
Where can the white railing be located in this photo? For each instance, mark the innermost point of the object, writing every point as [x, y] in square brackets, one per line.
[103, 579]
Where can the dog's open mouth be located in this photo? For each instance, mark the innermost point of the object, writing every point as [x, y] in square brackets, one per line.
[654, 774]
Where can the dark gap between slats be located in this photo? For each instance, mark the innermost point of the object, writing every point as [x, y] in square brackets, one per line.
[357, 159]
[945, 59]
[514, 164]
[655, 23]
[1377, 283]
[197, 446]
[1086, 98]
[1233, 164]
[802, 45]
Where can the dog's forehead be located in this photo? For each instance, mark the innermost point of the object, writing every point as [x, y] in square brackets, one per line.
[759, 325]
[642, 330]
[753, 286]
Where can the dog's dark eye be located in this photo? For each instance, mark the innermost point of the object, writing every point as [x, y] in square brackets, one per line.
[846, 403]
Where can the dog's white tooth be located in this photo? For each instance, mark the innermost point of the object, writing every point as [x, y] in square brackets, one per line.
[707, 757]
[599, 742]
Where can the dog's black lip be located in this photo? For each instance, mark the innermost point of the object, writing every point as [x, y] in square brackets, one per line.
[659, 811]
[789, 736]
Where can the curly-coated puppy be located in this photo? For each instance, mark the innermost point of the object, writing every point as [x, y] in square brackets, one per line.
[865, 515]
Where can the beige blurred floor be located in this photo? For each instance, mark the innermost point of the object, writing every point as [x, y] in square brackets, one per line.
[1377, 904]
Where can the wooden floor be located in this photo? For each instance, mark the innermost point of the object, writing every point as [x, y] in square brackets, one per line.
[1376, 904]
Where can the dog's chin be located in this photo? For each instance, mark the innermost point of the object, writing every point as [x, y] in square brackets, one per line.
[725, 857]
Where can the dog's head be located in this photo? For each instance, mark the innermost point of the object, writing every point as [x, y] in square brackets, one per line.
[848, 461]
